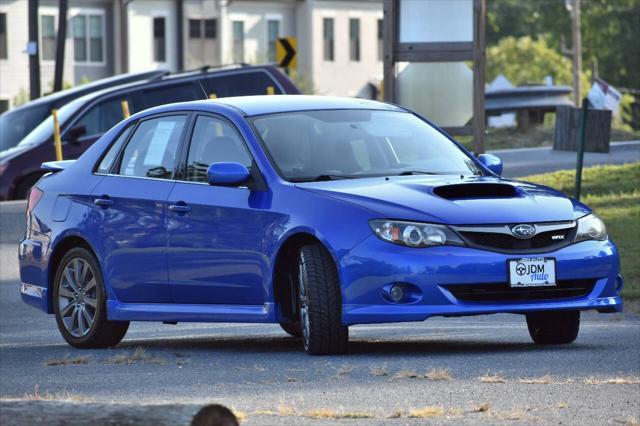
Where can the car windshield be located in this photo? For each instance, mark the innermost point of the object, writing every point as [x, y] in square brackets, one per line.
[44, 130]
[344, 144]
[15, 125]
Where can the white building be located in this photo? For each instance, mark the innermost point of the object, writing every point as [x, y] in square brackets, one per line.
[339, 41]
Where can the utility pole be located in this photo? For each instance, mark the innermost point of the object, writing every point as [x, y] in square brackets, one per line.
[33, 51]
[60, 44]
[576, 48]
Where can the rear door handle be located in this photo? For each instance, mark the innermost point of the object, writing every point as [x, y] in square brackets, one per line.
[180, 207]
[103, 202]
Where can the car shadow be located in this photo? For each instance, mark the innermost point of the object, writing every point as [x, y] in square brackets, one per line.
[357, 347]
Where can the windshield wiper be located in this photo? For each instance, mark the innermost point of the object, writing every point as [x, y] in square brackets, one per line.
[321, 178]
[416, 172]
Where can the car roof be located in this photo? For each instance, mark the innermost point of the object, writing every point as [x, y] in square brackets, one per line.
[178, 77]
[103, 84]
[270, 104]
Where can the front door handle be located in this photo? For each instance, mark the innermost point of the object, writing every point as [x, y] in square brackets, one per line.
[103, 202]
[180, 207]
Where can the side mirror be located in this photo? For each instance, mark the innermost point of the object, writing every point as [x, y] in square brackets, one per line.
[75, 133]
[492, 163]
[227, 174]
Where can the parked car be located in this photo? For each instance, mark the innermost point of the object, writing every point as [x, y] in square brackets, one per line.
[17, 123]
[315, 213]
[85, 119]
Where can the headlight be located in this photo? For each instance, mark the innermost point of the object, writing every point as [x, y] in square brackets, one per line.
[414, 234]
[590, 227]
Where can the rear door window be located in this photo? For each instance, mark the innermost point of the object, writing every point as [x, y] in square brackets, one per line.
[168, 94]
[240, 84]
[153, 148]
[107, 160]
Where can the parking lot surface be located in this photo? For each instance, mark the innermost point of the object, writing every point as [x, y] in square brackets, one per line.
[456, 370]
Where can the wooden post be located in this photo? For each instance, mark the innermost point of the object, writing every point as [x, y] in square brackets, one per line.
[61, 40]
[390, 34]
[479, 59]
[57, 140]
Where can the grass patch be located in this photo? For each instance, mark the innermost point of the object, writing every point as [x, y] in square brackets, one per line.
[56, 396]
[492, 378]
[613, 192]
[406, 374]
[421, 413]
[613, 381]
[331, 414]
[67, 360]
[438, 374]
[139, 355]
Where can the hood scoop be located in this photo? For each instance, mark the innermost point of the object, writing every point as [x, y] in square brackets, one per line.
[475, 190]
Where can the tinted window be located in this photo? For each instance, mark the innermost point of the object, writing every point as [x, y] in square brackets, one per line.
[107, 161]
[242, 84]
[358, 143]
[15, 125]
[214, 141]
[152, 150]
[170, 94]
[102, 117]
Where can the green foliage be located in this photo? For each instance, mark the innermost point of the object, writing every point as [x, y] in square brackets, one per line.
[304, 84]
[526, 60]
[610, 32]
[612, 191]
[21, 98]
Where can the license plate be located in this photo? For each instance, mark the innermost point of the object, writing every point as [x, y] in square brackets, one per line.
[532, 272]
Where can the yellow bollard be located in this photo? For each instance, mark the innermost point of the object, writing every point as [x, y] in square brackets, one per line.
[270, 90]
[125, 109]
[56, 135]
[213, 96]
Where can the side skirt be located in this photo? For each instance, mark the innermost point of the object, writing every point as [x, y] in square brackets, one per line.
[118, 311]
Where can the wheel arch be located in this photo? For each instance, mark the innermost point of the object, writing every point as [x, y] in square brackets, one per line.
[59, 250]
[284, 260]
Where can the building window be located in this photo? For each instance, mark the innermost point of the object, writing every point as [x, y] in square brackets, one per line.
[238, 41]
[4, 105]
[195, 28]
[354, 39]
[380, 40]
[273, 32]
[3, 36]
[48, 36]
[210, 28]
[159, 40]
[327, 37]
[88, 38]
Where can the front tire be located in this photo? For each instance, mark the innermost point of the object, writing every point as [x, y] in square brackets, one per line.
[79, 303]
[554, 327]
[320, 303]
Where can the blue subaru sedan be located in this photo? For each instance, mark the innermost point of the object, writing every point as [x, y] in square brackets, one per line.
[314, 213]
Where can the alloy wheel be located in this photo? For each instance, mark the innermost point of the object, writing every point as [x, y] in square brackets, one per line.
[77, 297]
[304, 303]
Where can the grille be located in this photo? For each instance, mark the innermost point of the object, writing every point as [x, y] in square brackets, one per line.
[505, 242]
[564, 289]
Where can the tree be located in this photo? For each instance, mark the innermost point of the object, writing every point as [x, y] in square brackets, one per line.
[610, 32]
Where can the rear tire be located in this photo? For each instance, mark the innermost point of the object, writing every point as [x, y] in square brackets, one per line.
[320, 303]
[292, 329]
[79, 303]
[554, 327]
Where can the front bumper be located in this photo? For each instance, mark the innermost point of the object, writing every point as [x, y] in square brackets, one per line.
[374, 265]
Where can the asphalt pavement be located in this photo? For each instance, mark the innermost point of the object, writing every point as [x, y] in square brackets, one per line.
[481, 370]
[528, 161]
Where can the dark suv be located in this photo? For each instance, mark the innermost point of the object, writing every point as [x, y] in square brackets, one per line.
[85, 119]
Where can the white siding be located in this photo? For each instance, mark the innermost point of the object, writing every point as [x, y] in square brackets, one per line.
[140, 17]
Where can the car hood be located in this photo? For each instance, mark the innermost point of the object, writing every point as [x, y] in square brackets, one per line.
[454, 200]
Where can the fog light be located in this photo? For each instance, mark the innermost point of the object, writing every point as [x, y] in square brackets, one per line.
[396, 293]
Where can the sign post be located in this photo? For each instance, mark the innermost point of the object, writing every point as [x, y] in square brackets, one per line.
[286, 53]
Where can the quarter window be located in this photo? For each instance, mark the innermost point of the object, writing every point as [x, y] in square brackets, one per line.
[107, 160]
[214, 140]
[152, 150]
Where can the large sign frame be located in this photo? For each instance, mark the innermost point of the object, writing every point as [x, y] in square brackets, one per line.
[396, 51]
